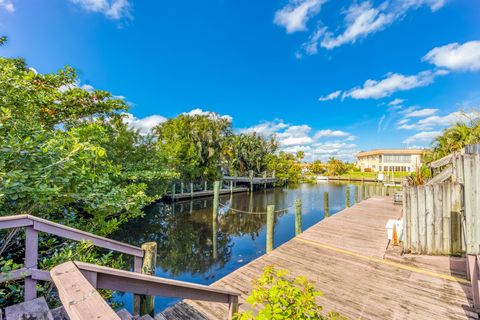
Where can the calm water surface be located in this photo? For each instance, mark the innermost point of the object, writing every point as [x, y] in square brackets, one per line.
[184, 231]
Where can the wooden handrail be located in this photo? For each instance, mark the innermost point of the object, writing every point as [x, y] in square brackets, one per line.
[113, 279]
[42, 225]
[80, 299]
[33, 225]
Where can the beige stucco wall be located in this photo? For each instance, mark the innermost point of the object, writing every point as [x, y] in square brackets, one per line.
[377, 162]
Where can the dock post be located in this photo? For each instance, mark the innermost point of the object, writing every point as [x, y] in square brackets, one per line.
[250, 173]
[31, 259]
[231, 187]
[181, 187]
[325, 204]
[270, 222]
[205, 186]
[298, 216]
[191, 190]
[355, 195]
[216, 192]
[347, 197]
[265, 179]
[145, 304]
[173, 191]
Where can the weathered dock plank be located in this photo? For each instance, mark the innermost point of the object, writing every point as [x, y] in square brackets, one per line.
[343, 256]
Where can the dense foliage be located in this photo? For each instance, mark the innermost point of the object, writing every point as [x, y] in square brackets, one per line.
[67, 156]
[278, 297]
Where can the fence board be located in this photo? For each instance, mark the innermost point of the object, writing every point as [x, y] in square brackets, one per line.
[446, 221]
[438, 204]
[422, 225]
[430, 219]
[414, 218]
[456, 219]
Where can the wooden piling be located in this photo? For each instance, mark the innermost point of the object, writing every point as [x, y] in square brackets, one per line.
[270, 222]
[181, 187]
[250, 173]
[191, 190]
[216, 192]
[205, 186]
[231, 187]
[173, 191]
[347, 196]
[146, 304]
[298, 216]
[325, 204]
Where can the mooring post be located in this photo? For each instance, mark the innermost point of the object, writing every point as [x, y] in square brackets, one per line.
[146, 304]
[250, 173]
[347, 197]
[298, 216]
[205, 186]
[216, 193]
[31, 258]
[265, 179]
[181, 187]
[173, 191]
[191, 190]
[231, 186]
[325, 204]
[355, 195]
[270, 222]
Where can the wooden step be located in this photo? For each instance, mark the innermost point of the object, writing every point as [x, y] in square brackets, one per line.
[180, 311]
[36, 309]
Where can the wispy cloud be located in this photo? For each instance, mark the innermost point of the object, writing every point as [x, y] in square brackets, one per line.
[435, 121]
[212, 115]
[295, 15]
[363, 19]
[455, 56]
[396, 102]
[113, 9]
[330, 96]
[331, 133]
[7, 5]
[424, 136]
[421, 113]
[393, 82]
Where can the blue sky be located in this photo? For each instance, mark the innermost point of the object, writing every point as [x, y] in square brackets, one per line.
[328, 77]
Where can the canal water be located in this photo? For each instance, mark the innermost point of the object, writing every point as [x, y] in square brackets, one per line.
[185, 231]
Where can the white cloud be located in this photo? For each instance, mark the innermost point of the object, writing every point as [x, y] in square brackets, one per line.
[7, 5]
[392, 83]
[363, 19]
[330, 96]
[440, 121]
[396, 102]
[455, 56]
[143, 125]
[113, 9]
[318, 145]
[421, 113]
[295, 15]
[295, 135]
[212, 115]
[424, 136]
[327, 133]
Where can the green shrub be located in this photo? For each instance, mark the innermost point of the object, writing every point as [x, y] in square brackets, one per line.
[279, 297]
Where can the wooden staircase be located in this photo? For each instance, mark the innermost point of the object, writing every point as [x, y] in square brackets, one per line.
[77, 282]
[37, 309]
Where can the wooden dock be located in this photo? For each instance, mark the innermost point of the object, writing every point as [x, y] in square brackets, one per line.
[203, 193]
[343, 256]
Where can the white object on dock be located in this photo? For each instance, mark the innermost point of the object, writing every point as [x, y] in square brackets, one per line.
[399, 226]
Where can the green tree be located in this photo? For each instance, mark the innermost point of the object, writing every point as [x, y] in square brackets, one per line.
[248, 151]
[193, 144]
[336, 167]
[317, 167]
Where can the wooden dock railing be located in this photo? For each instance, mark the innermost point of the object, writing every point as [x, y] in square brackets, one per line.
[77, 283]
[140, 284]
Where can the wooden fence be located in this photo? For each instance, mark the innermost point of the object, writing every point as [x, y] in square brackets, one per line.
[443, 216]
